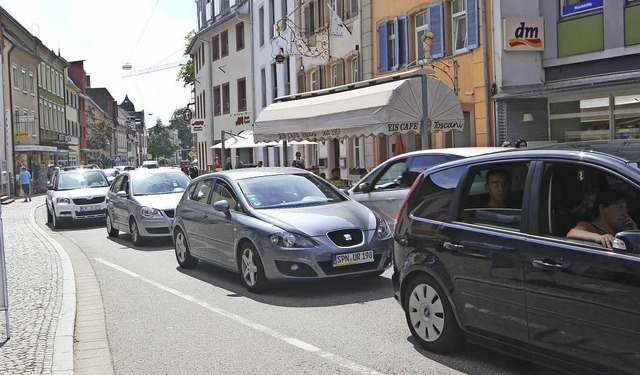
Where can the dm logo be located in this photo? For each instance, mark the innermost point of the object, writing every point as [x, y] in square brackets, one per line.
[526, 36]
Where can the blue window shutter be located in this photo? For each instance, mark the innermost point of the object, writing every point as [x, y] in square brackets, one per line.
[397, 44]
[383, 63]
[402, 40]
[472, 24]
[436, 25]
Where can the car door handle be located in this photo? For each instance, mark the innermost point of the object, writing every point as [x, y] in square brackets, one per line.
[391, 199]
[205, 216]
[453, 246]
[403, 241]
[545, 265]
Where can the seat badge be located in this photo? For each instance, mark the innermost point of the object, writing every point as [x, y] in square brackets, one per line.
[347, 237]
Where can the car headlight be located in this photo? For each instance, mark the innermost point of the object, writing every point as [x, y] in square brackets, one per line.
[148, 212]
[382, 229]
[286, 239]
[61, 200]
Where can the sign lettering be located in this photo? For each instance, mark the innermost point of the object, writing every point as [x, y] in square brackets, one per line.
[523, 33]
[404, 127]
[446, 126]
[197, 126]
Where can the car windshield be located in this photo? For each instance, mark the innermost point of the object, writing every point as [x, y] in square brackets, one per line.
[79, 179]
[289, 190]
[159, 183]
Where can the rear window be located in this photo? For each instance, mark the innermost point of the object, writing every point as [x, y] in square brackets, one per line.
[432, 196]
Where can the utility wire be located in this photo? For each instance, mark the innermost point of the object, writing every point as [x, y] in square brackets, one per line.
[143, 30]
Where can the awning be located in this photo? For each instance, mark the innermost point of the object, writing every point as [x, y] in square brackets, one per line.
[228, 142]
[362, 109]
[39, 148]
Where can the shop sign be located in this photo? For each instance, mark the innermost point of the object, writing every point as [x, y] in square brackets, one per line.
[447, 126]
[242, 118]
[64, 137]
[22, 135]
[523, 33]
[197, 126]
[581, 6]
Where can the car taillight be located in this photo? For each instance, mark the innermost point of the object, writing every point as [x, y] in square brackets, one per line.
[404, 202]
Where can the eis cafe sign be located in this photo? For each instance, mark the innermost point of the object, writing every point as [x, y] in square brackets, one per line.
[523, 33]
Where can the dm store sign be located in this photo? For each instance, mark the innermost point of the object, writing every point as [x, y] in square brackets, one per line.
[523, 33]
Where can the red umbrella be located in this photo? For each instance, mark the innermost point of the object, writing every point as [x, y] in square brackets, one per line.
[399, 149]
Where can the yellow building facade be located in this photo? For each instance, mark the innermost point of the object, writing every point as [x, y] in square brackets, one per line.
[458, 57]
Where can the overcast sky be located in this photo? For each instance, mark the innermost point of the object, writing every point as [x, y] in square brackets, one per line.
[107, 34]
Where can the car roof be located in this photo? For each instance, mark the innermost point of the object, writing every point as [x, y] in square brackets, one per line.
[241, 173]
[458, 151]
[628, 149]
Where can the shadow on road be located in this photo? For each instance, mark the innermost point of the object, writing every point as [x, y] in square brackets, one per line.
[312, 293]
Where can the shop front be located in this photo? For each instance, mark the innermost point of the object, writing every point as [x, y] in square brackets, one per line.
[37, 159]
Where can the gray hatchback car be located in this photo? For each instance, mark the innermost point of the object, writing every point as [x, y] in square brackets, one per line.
[278, 224]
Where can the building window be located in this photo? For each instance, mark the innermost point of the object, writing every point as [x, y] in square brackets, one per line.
[287, 77]
[224, 44]
[458, 25]
[261, 26]
[240, 36]
[355, 75]
[392, 44]
[285, 13]
[313, 80]
[226, 104]
[242, 95]
[421, 22]
[14, 70]
[217, 109]
[263, 87]
[313, 16]
[274, 80]
[215, 48]
[351, 8]
[272, 18]
[24, 81]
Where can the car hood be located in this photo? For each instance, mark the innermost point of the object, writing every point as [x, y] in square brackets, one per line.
[160, 201]
[318, 220]
[82, 193]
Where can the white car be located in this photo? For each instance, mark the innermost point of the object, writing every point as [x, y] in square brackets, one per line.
[75, 195]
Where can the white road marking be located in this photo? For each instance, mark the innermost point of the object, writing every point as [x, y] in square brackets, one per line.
[355, 367]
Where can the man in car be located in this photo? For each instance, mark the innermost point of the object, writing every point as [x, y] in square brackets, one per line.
[611, 217]
[497, 185]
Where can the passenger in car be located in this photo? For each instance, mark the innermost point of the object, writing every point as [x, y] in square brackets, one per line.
[497, 185]
[611, 217]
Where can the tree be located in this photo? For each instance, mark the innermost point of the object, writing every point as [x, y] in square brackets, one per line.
[183, 127]
[99, 132]
[159, 143]
[187, 73]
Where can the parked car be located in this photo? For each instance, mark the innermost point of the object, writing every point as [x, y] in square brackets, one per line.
[278, 224]
[76, 194]
[150, 164]
[111, 173]
[509, 276]
[385, 187]
[142, 203]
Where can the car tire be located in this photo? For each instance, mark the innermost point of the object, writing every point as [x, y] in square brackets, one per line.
[430, 316]
[49, 216]
[136, 238]
[111, 231]
[183, 255]
[251, 268]
[57, 223]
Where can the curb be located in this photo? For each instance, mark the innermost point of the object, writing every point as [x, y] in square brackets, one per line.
[63, 341]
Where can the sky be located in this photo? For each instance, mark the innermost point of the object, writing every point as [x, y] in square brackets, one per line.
[108, 34]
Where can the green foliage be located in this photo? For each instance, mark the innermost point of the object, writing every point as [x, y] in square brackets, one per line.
[163, 162]
[159, 143]
[99, 133]
[183, 127]
[187, 73]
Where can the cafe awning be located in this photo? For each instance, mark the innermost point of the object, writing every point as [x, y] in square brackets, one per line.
[389, 105]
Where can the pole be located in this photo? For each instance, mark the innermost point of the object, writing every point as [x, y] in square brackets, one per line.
[4, 297]
[424, 127]
[223, 151]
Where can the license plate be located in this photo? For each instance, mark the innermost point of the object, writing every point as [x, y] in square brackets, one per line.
[348, 259]
[89, 208]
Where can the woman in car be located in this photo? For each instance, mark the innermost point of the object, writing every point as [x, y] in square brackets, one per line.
[611, 217]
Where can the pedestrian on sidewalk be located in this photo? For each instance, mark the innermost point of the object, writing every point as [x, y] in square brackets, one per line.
[26, 181]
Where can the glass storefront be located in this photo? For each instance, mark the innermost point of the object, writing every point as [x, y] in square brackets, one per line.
[593, 118]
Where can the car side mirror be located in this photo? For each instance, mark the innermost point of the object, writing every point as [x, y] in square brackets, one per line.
[49, 186]
[122, 194]
[222, 206]
[365, 187]
[627, 242]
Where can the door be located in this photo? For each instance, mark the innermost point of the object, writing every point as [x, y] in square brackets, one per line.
[481, 248]
[117, 206]
[583, 299]
[194, 211]
[219, 236]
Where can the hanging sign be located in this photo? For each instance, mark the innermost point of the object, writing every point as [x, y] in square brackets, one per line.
[197, 126]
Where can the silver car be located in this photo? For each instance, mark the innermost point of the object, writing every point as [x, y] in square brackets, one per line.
[142, 202]
[278, 224]
[384, 188]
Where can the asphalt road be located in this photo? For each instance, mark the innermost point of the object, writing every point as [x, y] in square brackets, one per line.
[162, 319]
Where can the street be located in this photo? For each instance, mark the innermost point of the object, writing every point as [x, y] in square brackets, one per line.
[163, 319]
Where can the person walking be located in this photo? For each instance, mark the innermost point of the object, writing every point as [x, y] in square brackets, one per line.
[26, 181]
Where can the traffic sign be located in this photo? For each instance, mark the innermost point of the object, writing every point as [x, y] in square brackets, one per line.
[117, 158]
[192, 154]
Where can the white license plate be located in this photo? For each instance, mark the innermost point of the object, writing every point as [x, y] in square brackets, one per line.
[348, 259]
[89, 208]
